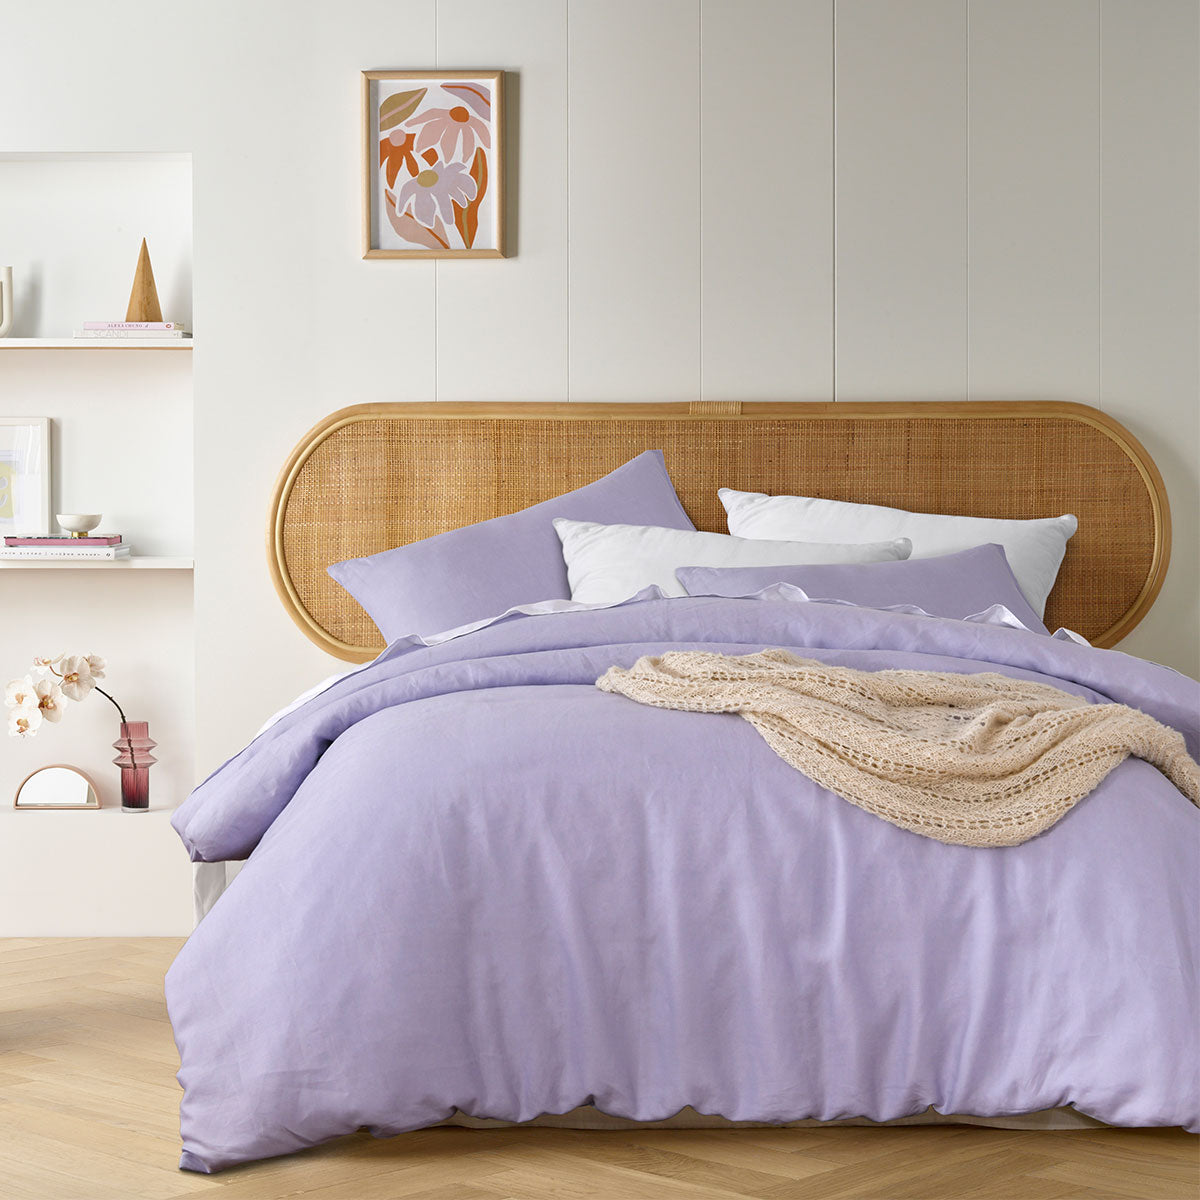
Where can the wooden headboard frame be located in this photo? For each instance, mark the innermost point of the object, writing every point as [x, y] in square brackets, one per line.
[380, 475]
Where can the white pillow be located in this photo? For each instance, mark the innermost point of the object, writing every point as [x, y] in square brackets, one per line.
[613, 562]
[1034, 548]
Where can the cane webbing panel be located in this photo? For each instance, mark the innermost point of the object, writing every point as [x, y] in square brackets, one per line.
[378, 476]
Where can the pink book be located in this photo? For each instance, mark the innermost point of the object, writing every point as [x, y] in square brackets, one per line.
[103, 539]
[133, 324]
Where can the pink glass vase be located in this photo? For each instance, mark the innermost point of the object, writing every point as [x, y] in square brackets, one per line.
[135, 761]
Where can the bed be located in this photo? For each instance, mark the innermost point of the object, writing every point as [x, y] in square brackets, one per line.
[478, 888]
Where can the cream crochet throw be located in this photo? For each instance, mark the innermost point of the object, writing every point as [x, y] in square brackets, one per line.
[975, 760]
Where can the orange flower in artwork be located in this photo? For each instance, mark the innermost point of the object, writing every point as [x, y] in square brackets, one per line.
[466, 216]
[394, 150]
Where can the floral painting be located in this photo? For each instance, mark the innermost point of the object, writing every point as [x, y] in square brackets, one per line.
[432, 177]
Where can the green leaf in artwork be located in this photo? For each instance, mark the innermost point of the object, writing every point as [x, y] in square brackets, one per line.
[399, 108]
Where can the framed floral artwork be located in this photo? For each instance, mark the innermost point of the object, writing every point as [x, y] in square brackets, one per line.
[433, 178]
[25, 476]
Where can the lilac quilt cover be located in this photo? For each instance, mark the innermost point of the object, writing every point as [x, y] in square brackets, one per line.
[476, 882]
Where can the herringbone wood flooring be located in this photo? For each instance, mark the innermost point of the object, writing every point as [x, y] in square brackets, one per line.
[89, 1111]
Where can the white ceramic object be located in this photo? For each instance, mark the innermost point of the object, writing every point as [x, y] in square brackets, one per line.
[78, 524]
[6, 300]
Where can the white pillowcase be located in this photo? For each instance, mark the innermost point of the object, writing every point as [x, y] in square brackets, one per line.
[613, 562]
[1034, 548]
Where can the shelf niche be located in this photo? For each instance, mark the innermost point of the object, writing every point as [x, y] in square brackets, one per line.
[72, 225]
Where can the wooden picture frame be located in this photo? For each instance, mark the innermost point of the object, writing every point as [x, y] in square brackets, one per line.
[433, 164]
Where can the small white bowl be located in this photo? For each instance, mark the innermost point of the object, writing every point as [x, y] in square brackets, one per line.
[79, 524]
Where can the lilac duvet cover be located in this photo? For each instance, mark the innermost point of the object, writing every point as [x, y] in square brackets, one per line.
[477, 882]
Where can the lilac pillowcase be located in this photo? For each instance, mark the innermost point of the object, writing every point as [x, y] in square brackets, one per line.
[482, 570]
[950, 585]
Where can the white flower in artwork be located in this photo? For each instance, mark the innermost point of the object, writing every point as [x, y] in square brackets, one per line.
[437, 189]
[50, 699]
[19, 692]
[96, 665]
[23, 720]
[76, 674]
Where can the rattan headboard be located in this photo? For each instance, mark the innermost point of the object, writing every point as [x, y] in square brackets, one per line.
[380, 475]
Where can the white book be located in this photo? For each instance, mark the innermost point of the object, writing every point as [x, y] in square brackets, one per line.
[133, 324]
[35, 552]
[134, 334]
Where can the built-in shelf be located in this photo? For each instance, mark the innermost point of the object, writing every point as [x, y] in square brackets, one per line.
[110, 803]
[95, 156]
[72, 343]
[135, 562]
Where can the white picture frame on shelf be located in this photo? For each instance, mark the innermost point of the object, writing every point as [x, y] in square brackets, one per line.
[25, 477]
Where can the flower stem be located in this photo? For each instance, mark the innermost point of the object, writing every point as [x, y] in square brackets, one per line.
[113, 702]
[128, 736]
[120, 711]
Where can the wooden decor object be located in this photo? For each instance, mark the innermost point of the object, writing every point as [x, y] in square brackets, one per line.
[143, 298]
[375, 476]
[70, 788]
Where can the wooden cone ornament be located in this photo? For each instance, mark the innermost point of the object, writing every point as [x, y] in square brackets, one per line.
[143, 299]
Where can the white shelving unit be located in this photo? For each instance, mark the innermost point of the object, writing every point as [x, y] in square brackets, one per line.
[71, 343]
[121, 445]
[135, 562]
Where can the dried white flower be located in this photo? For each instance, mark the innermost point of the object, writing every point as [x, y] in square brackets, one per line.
[76, 675]
[23, 720]
[19, 692]
[50, 699]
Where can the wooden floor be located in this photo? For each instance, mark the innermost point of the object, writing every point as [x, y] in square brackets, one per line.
[89, 1111]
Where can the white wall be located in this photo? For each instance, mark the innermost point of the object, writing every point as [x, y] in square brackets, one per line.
[721, 198]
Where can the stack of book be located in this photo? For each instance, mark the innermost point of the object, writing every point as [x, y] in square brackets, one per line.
[101, 546]
[132, 329]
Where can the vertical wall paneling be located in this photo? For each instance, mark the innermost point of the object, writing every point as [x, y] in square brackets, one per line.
[1150, 286]
[633, 191]
[1033, 141]
[378, 317]
[766, 193]
[291, 322]
[502, 326]
[901, 199]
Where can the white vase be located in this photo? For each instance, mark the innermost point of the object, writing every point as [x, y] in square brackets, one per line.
[6, 300]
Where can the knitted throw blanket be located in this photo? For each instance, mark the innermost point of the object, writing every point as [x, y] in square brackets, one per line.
[976, 760]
